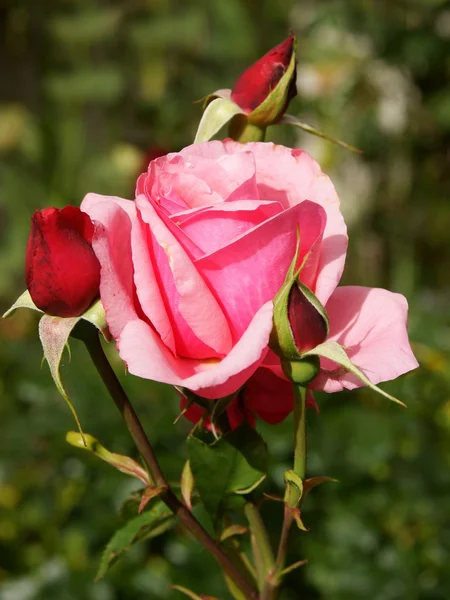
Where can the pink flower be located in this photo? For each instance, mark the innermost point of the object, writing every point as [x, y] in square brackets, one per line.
[190, 269]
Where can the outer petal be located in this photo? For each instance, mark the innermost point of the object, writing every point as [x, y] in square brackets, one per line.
[194, 312]
[146, 356]
[112, 246]
[371, 324]
[249, 271]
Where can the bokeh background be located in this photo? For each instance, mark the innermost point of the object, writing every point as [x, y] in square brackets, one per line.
[88, 89]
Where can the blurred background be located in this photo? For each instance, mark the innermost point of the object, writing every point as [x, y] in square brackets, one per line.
[88, 91]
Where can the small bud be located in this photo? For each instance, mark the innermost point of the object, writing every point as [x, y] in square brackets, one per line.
[309, 327]
[266, 87]
[62, 271]
[300, 324]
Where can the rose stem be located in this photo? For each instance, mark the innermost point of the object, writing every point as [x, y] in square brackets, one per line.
[137, 432]
[271, 587]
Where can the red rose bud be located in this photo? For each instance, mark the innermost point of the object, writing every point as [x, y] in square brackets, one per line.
[265, 89]
[309, 327]
[62, 271]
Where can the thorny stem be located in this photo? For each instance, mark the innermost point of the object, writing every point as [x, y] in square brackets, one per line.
[137, 432]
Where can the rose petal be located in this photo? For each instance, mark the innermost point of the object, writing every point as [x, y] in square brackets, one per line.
[111, 243]
[216, 226]
[371, 324]
[146, 356]
[192, 307]
[249, 271]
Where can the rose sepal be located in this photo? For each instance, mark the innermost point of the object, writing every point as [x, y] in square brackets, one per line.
[54, 333]
[333, 351]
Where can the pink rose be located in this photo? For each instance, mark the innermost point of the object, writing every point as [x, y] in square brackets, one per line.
[189, 271]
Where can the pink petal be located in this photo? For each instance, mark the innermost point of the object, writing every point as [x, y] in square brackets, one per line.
[371, 324]
[194, 312]
[249, 271]
[146, 356]
[111, 245]
[216, 226]
[289, 177]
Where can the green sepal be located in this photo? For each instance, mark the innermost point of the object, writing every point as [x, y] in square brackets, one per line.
[282, 340]
[335, 352]
[217, 114]
[54, 333]
[291, 120]
[269, 111]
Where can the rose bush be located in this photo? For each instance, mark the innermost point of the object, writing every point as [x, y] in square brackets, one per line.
[190, 268]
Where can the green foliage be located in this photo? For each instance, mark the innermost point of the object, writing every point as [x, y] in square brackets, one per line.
[235, 464]
[149, 524]
[373, 74]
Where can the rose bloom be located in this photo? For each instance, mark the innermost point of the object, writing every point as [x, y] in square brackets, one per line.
[189, 271]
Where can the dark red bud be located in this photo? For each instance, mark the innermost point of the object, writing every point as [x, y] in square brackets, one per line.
[62, 271]
[256, 82]
[309, 328]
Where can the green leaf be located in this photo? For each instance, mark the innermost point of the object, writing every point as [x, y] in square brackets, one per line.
[291, 120]
[147, 525]
[125, 464]
[216, 115]
[333, 351]
[234, 464]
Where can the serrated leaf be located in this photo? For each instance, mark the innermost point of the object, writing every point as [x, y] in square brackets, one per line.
[235, 464]
[147, 525]
[335, 352]
[217, 114]
[125, 464]
[291, 120]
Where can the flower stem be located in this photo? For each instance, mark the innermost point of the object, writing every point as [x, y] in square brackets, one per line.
[300, 430]
[273, 580]
[137, 432]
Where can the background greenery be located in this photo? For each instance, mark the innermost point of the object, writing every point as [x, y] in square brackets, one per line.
[86, 89]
